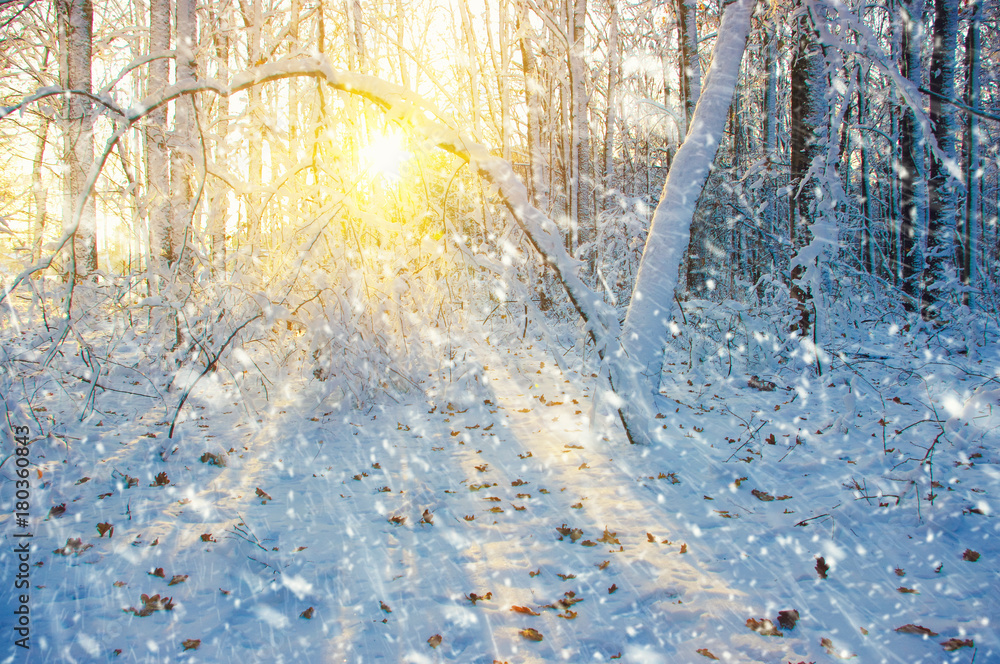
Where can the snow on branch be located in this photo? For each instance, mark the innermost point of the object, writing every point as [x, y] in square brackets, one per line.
[402, 105]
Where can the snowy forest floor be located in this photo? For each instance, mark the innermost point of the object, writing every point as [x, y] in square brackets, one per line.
[486, 520]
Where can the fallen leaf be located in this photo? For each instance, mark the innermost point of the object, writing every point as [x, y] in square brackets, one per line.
[684, 548]
[57, 511]
[566, 577]
[762, 495]
[161, 480]
[207, 537]
[573, 533]
[603, 565]
[970, 555]
[473, 597]
[915, 629]
[434, 641]
[263, 494]
[788, 618]
[955, 644]
[705, 652]
[178, 578]
[385, 607]
[568, 615]
[105, 528]
[525, 610]
[911, 591]
[397, 520]
[158, 572]
[307, 614]
[764, 627]
[531, 634]
[535, 573]
[613, 589]
[427, 518]
[650, 538]
[609, 537]
[821, 567]
[832, 650]
[191, 644]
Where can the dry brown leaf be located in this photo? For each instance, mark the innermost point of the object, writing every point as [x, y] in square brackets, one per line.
[609, 537]
[158, 572]
[525, 610]
[832, 649]
[911, 591]
[762, 495]
[307, 614]
[191, 644]
[434, 641]
[473, 597]
[821, 567]
[764, 627]
[178, 578]
[915, 629]
[566, 577]
[531, 634]
[613, 589]
[955, 644]
[705, 652]
[788, 618]
[970, 555]
[106, 528]
[263, 495]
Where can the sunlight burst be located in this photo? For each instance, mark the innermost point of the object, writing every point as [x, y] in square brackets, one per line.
[385, 155]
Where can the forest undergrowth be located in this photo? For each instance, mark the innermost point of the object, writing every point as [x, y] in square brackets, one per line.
[826, 500]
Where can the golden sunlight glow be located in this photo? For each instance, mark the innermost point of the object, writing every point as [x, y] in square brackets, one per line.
[385, 155]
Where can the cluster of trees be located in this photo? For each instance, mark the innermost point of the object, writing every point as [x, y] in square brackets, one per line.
[856, 141]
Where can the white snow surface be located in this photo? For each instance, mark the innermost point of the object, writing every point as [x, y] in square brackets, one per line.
[678, 545]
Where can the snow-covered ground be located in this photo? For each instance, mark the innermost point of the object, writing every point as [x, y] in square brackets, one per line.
[484, 518]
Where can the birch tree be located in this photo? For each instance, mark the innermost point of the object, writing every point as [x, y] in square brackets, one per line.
[635, 366]
[76, 20]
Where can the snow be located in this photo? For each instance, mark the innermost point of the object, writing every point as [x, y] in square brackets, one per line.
[490, 469]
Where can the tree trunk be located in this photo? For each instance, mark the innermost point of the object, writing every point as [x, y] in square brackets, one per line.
[157, 170]
[690, 67]
[912, 186]
[585, 220]
[76, 18]
[533, 98]
[808, 113]
[972, 160]
[635, 369]
[689, 75]
[942, 201]
[38, 193]
[183, 142]
[614, 74]
[218, 204]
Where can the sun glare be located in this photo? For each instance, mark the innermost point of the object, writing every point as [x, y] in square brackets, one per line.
[385, 155]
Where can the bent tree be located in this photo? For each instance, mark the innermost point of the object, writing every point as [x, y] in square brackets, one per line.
[636, 363]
